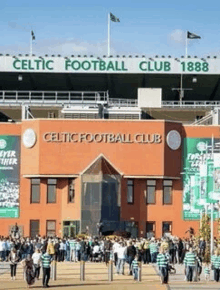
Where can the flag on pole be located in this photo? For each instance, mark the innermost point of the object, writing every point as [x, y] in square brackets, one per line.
[192, 35]
[32, 34]
[114, 18]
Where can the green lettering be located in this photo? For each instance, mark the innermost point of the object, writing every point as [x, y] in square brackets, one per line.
[116, 66]
[29, 65]
[48, 63]
[95, 63]
[77, 63]
[102, 65]
[15, 64]
[24, 64]
[110, 66]
[86, 65]
[161, 66]
[167, 66]
[141, 65]
[123, 66]
[67, 64]
[149, 66]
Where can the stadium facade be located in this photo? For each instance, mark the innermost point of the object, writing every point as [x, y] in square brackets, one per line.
[79, 163]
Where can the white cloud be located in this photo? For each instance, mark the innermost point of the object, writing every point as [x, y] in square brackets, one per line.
[177, 36]
[65, 47]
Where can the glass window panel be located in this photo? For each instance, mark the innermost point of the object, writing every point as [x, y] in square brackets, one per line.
[167, 227]
[51, 193]
[151, 194]
[51, 225]
[34, 228]
[167, 182]
[71, 191]
[167, 195]
[35, 181]
[51, 181]
[151, 182]
[35, 193]
[130, 191]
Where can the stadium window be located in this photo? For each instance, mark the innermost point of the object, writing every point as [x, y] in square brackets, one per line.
[51, 115]
[35, 190]
[51, 190]
[130, 191]
[151, 192]
[34, 228]
[71, 191]
[167, 191]
[150, 229]
[167, 228]
[51, 228]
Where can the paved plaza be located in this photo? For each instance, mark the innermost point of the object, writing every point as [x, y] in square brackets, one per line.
[68, 277]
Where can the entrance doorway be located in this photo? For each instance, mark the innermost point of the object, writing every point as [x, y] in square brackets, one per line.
[100, 198]
[70, 229]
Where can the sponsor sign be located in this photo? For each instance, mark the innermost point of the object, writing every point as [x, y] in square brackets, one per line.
[9, 176]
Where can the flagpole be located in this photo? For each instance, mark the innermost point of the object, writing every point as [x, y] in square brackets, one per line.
[108, 34]
[31, 45]
[186, 45]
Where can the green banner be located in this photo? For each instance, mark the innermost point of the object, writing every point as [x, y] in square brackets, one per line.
[201, 176]
[9, 176]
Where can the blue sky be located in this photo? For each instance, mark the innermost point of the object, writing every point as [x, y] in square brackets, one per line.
[80, 27]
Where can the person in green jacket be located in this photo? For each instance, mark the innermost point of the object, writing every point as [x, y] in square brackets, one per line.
[215, 261]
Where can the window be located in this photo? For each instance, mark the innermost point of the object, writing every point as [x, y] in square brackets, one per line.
[51, 228]
[167, 228]
[34, 228]
[35, 190]
[51, 190]
[150, 229]
[167, 191]
[71, 191]
[151, 190]
[130, 191]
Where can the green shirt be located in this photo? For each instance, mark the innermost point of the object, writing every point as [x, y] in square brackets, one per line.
[153, 248]
[215, 260]
[46, 260]
[190, 259]
[162, 260]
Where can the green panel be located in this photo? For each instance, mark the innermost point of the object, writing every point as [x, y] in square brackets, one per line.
[9, 176]
[201, 175]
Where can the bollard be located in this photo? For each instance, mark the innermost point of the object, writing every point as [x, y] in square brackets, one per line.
[54, 270]
[139, 272]
[82, 270]
[110, 271]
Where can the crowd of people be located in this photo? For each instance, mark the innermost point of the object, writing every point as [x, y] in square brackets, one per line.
[34, 253]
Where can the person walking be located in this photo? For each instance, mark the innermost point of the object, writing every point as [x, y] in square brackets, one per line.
[13, 259]
[153, 250]
[121, 258]
[190, 261]
[28, 264]
[215, 262]
[46, 261]
[37, 259]
[163, 263]
[131, 253]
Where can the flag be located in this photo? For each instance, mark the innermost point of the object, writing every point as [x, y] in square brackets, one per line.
[192, 35]
[113, 18]
[32, 34]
